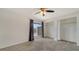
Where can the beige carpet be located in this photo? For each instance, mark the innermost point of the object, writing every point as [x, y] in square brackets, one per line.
[43, 44]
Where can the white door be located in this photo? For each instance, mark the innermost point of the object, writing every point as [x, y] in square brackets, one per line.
[69, 32]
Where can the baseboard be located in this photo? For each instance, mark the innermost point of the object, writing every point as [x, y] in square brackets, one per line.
[12, 44]
[67, 41]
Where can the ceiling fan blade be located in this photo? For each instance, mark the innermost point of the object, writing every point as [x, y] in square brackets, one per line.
[50, 11]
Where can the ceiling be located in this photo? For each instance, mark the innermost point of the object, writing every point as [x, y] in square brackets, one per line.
[29, 12]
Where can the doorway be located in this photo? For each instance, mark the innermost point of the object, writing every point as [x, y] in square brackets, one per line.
[36, 30]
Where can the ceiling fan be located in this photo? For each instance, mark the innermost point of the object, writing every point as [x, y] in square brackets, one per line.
[43, 11]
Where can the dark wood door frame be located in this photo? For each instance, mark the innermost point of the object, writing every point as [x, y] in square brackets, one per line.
[43, 29]
[31, 31]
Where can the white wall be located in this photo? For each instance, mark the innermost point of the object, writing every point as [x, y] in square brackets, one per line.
[77, 24]
[14, 29]
[50, 30]
[53, 29]
[64, 29]
[68, 29]
[77, 33]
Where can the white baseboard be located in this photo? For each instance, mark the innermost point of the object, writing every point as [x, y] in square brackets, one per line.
[19, 42]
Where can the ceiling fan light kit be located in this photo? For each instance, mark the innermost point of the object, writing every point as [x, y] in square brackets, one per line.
[43, 11]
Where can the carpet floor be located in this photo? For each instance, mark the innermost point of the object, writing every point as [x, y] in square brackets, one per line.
[43, 44]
